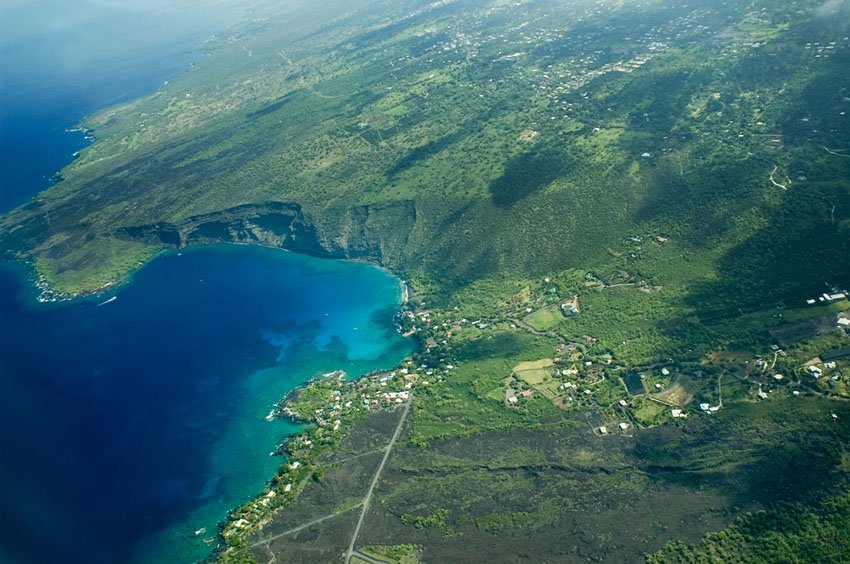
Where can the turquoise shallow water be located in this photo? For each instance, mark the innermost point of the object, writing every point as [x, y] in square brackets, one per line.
[131, 424]
[126, 427]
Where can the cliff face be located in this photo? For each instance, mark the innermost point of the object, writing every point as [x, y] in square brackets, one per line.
[366, 232]
[376, 232]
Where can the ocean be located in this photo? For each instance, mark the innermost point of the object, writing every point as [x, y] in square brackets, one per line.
[60, 61]
[127, 425]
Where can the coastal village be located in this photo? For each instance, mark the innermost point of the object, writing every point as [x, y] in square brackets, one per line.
[613, 399]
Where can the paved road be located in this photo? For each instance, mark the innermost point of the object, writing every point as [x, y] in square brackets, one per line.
[301, 527]
[367, 558]
[368, 498]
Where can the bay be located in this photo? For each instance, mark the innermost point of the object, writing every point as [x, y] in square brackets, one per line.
[127, 426]
[130, 424]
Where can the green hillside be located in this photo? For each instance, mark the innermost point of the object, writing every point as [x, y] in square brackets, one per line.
[644, 195]
[463, 140]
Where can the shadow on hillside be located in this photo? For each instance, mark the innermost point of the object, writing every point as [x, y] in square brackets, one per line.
[526, 174]
[422, 153]
[731, 452]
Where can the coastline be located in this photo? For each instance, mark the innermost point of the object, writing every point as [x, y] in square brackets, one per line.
[41, 279]
[38, 285]
[390, 293]
[145, 81]
[303, 455]
[306, 451]
[244, 520]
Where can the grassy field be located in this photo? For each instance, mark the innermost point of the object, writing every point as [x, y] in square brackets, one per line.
[546, 318]
[534, 373]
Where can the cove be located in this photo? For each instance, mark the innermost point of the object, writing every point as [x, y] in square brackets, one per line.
[130, 423]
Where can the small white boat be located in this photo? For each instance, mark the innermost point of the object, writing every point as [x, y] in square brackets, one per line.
[112, 299]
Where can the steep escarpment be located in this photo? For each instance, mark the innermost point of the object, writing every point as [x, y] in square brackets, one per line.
[377, 232]
[69, 255]
[272, 223]
[364, 232]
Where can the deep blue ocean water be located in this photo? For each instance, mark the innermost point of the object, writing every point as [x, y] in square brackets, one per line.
[130, 424]
[126, 427]
[60, 61]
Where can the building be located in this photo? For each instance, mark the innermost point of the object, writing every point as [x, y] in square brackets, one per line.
[835, 354]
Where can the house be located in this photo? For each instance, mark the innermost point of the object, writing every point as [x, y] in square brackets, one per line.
[603, 430]
[665, 372]
[704, 406]
[510, 396]
[678, 414]
[624, 426]
[527, 393]
[568, 309]
[835, 354]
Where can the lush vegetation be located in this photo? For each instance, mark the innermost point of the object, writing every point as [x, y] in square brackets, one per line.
[639, 199]
[786, 533]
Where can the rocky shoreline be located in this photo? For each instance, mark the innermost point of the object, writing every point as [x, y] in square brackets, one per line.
[329, 406]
